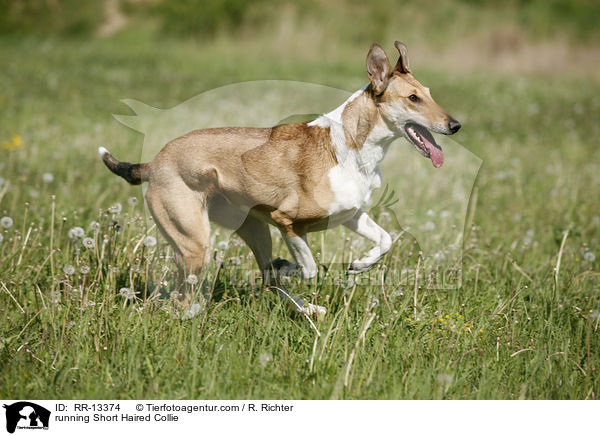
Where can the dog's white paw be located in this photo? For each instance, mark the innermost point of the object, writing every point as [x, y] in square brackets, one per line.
[358, 267]
[313, 309]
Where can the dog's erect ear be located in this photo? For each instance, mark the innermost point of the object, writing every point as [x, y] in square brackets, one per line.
[402, 65]
[378, 68]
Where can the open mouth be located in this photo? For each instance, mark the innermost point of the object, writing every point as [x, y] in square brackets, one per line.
[424, 143]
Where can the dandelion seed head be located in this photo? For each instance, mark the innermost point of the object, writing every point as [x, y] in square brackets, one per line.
[94, 225]
[6, 222]
[127, 293]
[192, 279]
[132, 201]
[89, 243]
[223, 245]
[76, 232]
[69, 269]
[149, 241]
[47, 177]
[115, 208]
[84, 269]
[588, 256]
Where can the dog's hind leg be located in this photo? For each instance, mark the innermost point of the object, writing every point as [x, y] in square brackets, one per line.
[182, 217]
[253, 231]
[257, 236]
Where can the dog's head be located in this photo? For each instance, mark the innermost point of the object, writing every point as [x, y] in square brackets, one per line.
[407, 106]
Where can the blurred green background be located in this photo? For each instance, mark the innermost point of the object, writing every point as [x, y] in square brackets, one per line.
[576, 20]
[473, 32]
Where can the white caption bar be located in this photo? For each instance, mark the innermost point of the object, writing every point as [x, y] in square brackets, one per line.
[266, 417]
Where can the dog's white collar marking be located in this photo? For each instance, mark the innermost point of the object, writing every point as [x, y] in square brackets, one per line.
[357, 172]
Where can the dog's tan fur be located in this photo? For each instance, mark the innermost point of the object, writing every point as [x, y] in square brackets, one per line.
[247, 178]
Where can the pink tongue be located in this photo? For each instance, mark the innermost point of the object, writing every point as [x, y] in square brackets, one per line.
[435, 154]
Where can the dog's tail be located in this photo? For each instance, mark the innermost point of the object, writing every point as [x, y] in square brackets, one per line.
[133, 173]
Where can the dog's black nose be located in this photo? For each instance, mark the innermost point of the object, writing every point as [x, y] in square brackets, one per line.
[453, 125]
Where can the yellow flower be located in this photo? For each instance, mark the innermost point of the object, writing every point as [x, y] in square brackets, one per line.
[480, 330]
[460, 316]
[15, 142]
[447, 316]
[426, 334]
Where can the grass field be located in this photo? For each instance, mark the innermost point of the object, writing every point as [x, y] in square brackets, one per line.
[524, 324]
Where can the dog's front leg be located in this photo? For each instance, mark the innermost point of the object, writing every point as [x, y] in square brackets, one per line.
[300, 250]
[362, 224]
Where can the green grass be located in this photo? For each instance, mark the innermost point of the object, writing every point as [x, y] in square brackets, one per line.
[74, 336]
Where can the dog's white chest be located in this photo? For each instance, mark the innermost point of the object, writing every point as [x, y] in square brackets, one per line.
[351, 188]
[357, 173]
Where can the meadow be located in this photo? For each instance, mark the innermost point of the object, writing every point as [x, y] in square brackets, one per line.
[82, 308]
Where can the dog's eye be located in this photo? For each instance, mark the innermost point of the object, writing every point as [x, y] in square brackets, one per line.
[414, 98]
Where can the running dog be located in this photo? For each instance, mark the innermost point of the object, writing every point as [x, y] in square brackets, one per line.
[300, 177]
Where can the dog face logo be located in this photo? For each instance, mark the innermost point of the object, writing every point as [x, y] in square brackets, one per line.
[26, 415]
